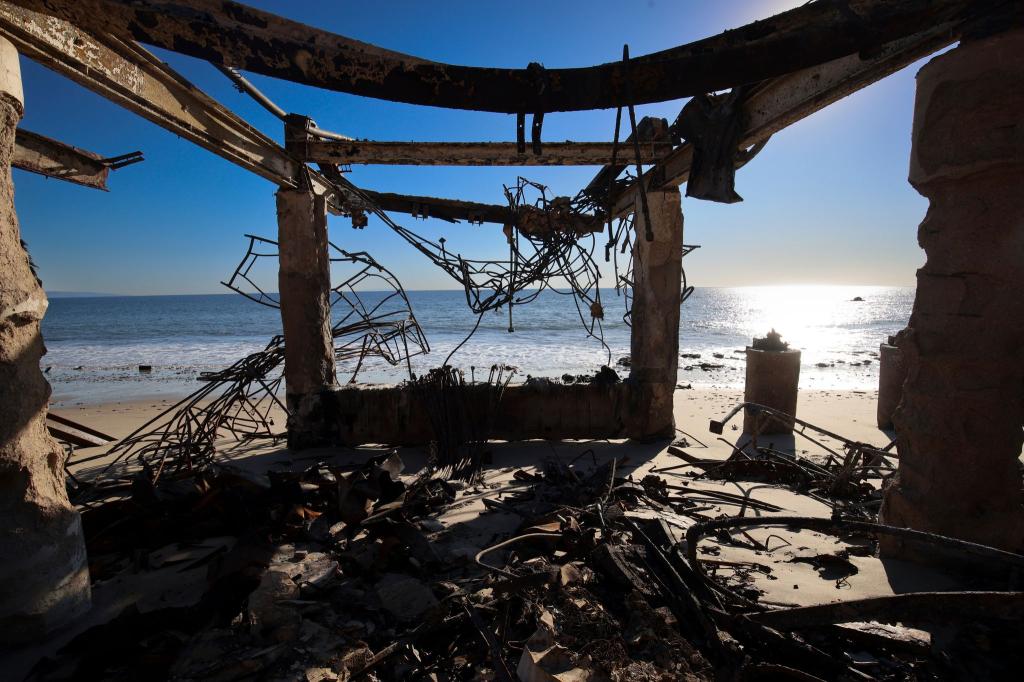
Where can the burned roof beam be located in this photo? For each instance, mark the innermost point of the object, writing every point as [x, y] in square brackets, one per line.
[468, 153]
[454, 210]
[43, 155]
[233, 34]
[652, 133]
[131, 77]
[781, 102]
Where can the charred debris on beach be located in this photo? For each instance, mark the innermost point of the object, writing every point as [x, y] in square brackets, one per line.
[348, 568]
[178, 564]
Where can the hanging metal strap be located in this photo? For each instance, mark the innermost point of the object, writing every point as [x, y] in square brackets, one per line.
[611, 184]
[648, 232]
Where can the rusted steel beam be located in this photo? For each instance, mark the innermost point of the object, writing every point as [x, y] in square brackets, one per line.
[233, 34]
[781, 102]
[40, 154]
[466, 153]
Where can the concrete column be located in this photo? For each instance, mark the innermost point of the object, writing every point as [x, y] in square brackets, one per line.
[304, 280]
[44, 578]
[959, 424]
[772, 380]
[892, 372]
[657, 271]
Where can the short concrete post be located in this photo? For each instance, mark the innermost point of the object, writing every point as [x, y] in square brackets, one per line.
[892, 372]
[44, 577]
[654, 342]
[772, 380]
[959, 423]
[304, 279]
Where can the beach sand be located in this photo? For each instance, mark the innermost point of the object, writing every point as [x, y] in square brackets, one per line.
[848, 413]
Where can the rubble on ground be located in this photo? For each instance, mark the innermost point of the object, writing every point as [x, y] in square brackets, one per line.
[365, 572]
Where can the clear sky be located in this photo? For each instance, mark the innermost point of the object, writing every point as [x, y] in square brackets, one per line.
[827, 201]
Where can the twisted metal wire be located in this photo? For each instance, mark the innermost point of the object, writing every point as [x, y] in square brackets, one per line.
[238, 400]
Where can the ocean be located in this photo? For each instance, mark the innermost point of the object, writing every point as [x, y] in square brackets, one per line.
[95, 344]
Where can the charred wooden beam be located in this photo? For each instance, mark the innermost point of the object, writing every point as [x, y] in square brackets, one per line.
[916, 608]
[233, 34]
[452, 210]
[651, 132]
[781, 102]
[466, 153]
[40, 154]
[455, 210]
[130, 76]
[134, 78]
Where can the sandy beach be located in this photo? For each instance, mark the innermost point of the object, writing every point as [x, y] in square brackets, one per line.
[849, 413]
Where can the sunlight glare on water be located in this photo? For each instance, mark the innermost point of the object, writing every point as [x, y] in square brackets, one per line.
[96, 344]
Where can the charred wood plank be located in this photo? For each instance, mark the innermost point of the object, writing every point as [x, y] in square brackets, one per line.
[64, 421]
[233, 34]
[73, 438]
[913, 608]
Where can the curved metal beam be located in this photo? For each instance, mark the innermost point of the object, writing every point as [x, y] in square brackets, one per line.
[233, 34]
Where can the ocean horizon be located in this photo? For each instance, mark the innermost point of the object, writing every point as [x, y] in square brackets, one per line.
[96, 343]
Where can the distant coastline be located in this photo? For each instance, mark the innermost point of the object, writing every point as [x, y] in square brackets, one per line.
[78, 294]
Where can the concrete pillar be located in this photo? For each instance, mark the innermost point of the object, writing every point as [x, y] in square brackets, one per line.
[654, 343]
[892, 372]
[772, 380]
[959, 424]
[44, 578]
[304, 280]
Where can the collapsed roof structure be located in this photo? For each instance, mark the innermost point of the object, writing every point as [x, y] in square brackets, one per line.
[963, 401]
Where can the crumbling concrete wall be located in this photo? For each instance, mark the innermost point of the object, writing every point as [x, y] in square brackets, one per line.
[397, 415]
[959, 424]
[44, 579]
[654, 343]
[304, 282]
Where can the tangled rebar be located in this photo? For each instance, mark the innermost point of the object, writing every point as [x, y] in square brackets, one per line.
[461, 415]
[238, 401]
[372, 313]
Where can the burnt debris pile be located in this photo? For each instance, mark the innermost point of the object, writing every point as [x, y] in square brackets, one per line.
[581, 568]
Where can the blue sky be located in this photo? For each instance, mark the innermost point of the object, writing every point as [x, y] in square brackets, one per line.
[827, 201]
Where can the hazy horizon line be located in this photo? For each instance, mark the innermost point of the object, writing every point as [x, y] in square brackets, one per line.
[66, 293]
